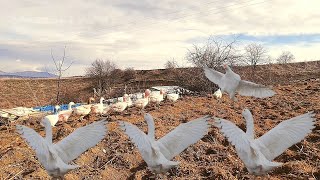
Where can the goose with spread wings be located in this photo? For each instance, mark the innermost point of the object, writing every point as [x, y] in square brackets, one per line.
[257, 154]
[55, 157]
[158, 153]
[231, 82]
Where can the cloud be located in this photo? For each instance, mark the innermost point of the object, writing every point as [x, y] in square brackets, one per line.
[144, 34]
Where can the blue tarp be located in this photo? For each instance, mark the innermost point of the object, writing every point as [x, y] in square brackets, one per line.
[49, 108]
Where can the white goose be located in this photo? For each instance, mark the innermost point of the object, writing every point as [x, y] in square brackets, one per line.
[119, 106]
[99, 108]
[173, 97]
[231, 82]
[157, 98]
[55, 157]
[84, 109]
[218, 94]
[143, 102]
[91, 100]
[64, 115]
[128, 100]
[257, 154]
[158, 154]
[54, 118]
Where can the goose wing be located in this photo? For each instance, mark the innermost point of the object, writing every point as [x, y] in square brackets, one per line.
[81, 140]
[213, 75]
[183, 136]
[247, 88]
[285, 134]
[37, 143]
[139, 138]
[234, 134]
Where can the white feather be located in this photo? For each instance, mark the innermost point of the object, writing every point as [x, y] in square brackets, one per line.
[55, 157]
[257, 154]
[158, 154]
[286, 134]
[80, 140]
[183, 136]
[231, 82]
[213, 75]
[247, 88]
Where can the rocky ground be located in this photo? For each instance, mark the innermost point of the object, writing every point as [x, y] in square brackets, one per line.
[210, 158]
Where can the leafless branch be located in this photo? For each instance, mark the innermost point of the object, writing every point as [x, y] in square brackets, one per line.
[68, 66]
[215, 53]
[54, 60]
[59, 67]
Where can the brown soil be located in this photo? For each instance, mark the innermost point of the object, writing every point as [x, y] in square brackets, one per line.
[210, 158]
[40, 92]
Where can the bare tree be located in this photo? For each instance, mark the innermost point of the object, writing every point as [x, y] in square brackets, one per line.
[255, 54]
[129, 74]
[101, 71]
[285, 57]
[171, 64]
[213, 54]
[59, 65]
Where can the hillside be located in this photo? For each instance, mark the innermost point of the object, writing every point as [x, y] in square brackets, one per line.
[213, 157]
[27, 74]
[34, 92]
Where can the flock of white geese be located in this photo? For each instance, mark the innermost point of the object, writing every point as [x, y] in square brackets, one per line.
[257, 154]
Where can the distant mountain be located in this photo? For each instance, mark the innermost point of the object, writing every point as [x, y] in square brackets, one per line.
[27, 74]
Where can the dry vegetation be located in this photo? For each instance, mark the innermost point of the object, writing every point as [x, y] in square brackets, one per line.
[211, 158]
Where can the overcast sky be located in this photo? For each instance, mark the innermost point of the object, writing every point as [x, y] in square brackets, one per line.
[144, 34]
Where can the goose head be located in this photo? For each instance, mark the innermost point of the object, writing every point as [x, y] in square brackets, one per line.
[71, 103]
[101, 100]
[126, 96]
[162, 91]
[147, 93]
[226, 67]
[90, 100]
[247, 114]
[56, 109]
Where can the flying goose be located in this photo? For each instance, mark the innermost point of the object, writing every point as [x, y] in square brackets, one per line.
[55, 157]
[158, 153]
[231, 82]
[257, 154]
